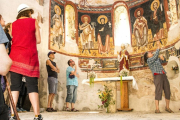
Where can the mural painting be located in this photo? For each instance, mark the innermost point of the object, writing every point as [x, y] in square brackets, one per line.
[98, 33]
[148, 26]
[95, 34]
[57, 26]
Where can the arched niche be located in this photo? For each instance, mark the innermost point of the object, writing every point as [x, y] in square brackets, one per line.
[70, 28]
[121, 25]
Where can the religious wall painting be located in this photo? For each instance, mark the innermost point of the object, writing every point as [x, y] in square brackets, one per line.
[121, 28]
[57, 26]
[95, 34]
[148, 25]
[172, 13]
[98, 64]
[70, 23]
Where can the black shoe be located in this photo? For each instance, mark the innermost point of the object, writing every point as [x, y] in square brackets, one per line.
[49, 110]
[53, 110]
[39, 117]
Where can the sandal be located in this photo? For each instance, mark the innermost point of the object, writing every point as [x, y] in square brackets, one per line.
[169, 110]
[74, 110]
[157, 111]
[67, 109]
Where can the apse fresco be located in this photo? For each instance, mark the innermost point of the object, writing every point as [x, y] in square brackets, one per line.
[56, 26]
[99, 31]
[148, 25]
[95, 34]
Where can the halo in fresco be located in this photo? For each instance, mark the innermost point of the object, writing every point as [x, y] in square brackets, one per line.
[100, 17]
[55, 9]
[83, 16]
[155, 1]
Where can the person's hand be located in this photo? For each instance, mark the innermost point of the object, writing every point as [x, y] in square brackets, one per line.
[161, 57]
[158, 44]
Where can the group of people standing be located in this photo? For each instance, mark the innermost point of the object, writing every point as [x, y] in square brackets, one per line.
[23, 62]
[71, 83]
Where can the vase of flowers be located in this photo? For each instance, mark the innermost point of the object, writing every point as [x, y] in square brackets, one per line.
[124, 73]
[92, 76]
[106, 98]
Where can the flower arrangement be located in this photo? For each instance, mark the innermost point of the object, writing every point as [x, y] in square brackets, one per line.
[92, 76]
[124, 72]
[106, 97]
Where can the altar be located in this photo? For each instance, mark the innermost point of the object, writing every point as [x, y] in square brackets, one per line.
[124, 94]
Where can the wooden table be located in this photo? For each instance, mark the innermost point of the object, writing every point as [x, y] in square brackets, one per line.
[112, 83]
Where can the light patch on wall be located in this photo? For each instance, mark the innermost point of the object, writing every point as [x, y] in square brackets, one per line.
[122, 28]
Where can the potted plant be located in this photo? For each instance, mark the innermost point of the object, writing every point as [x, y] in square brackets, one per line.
[106, 98]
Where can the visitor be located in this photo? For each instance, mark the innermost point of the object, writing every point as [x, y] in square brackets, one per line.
[25, 35]
[71, 85]
[4, 69]
[52, 70]
[160, 79]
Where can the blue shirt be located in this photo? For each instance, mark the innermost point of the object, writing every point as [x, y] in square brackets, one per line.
[70, 81]
[154, 63]
[3, 37]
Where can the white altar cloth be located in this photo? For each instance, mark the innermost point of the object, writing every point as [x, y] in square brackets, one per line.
[134, 83]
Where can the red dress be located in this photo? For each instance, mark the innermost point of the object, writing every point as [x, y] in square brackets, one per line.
[23, 50]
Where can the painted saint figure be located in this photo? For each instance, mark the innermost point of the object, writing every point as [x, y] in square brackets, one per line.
[123, 58]
[140, 28]
[87, 35]
[156, 19]
[103, 36]
[57, 26]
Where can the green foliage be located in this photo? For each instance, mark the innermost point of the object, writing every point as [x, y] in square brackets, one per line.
[106, 97]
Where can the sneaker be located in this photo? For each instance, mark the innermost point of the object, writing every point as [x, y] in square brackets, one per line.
[23, 110]
[74, 110]
[12, 118]
[49, 110]
[39, 117]
[18, 110]
[67, 109]
[53, 110]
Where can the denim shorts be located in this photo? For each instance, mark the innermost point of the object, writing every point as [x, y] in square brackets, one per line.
[71, 93]
[52, 83]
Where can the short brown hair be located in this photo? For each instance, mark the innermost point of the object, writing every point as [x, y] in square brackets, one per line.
[24, 14]
[69, 61]
[6, 27]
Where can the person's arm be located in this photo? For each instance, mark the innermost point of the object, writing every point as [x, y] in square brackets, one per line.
[6, 62]
[48, 62]
[155, 56]
[58, 71]
[75, 72]
[37, 33]
[162, 59]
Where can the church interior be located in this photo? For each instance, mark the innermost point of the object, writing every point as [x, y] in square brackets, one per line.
[108, 39]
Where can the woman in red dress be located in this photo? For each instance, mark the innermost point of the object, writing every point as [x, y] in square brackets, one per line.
[26, 34]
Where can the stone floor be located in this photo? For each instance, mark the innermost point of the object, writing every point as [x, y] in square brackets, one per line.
[96, 115]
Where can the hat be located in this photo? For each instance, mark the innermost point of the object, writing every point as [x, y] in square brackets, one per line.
[24, 7]
[51, 52]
